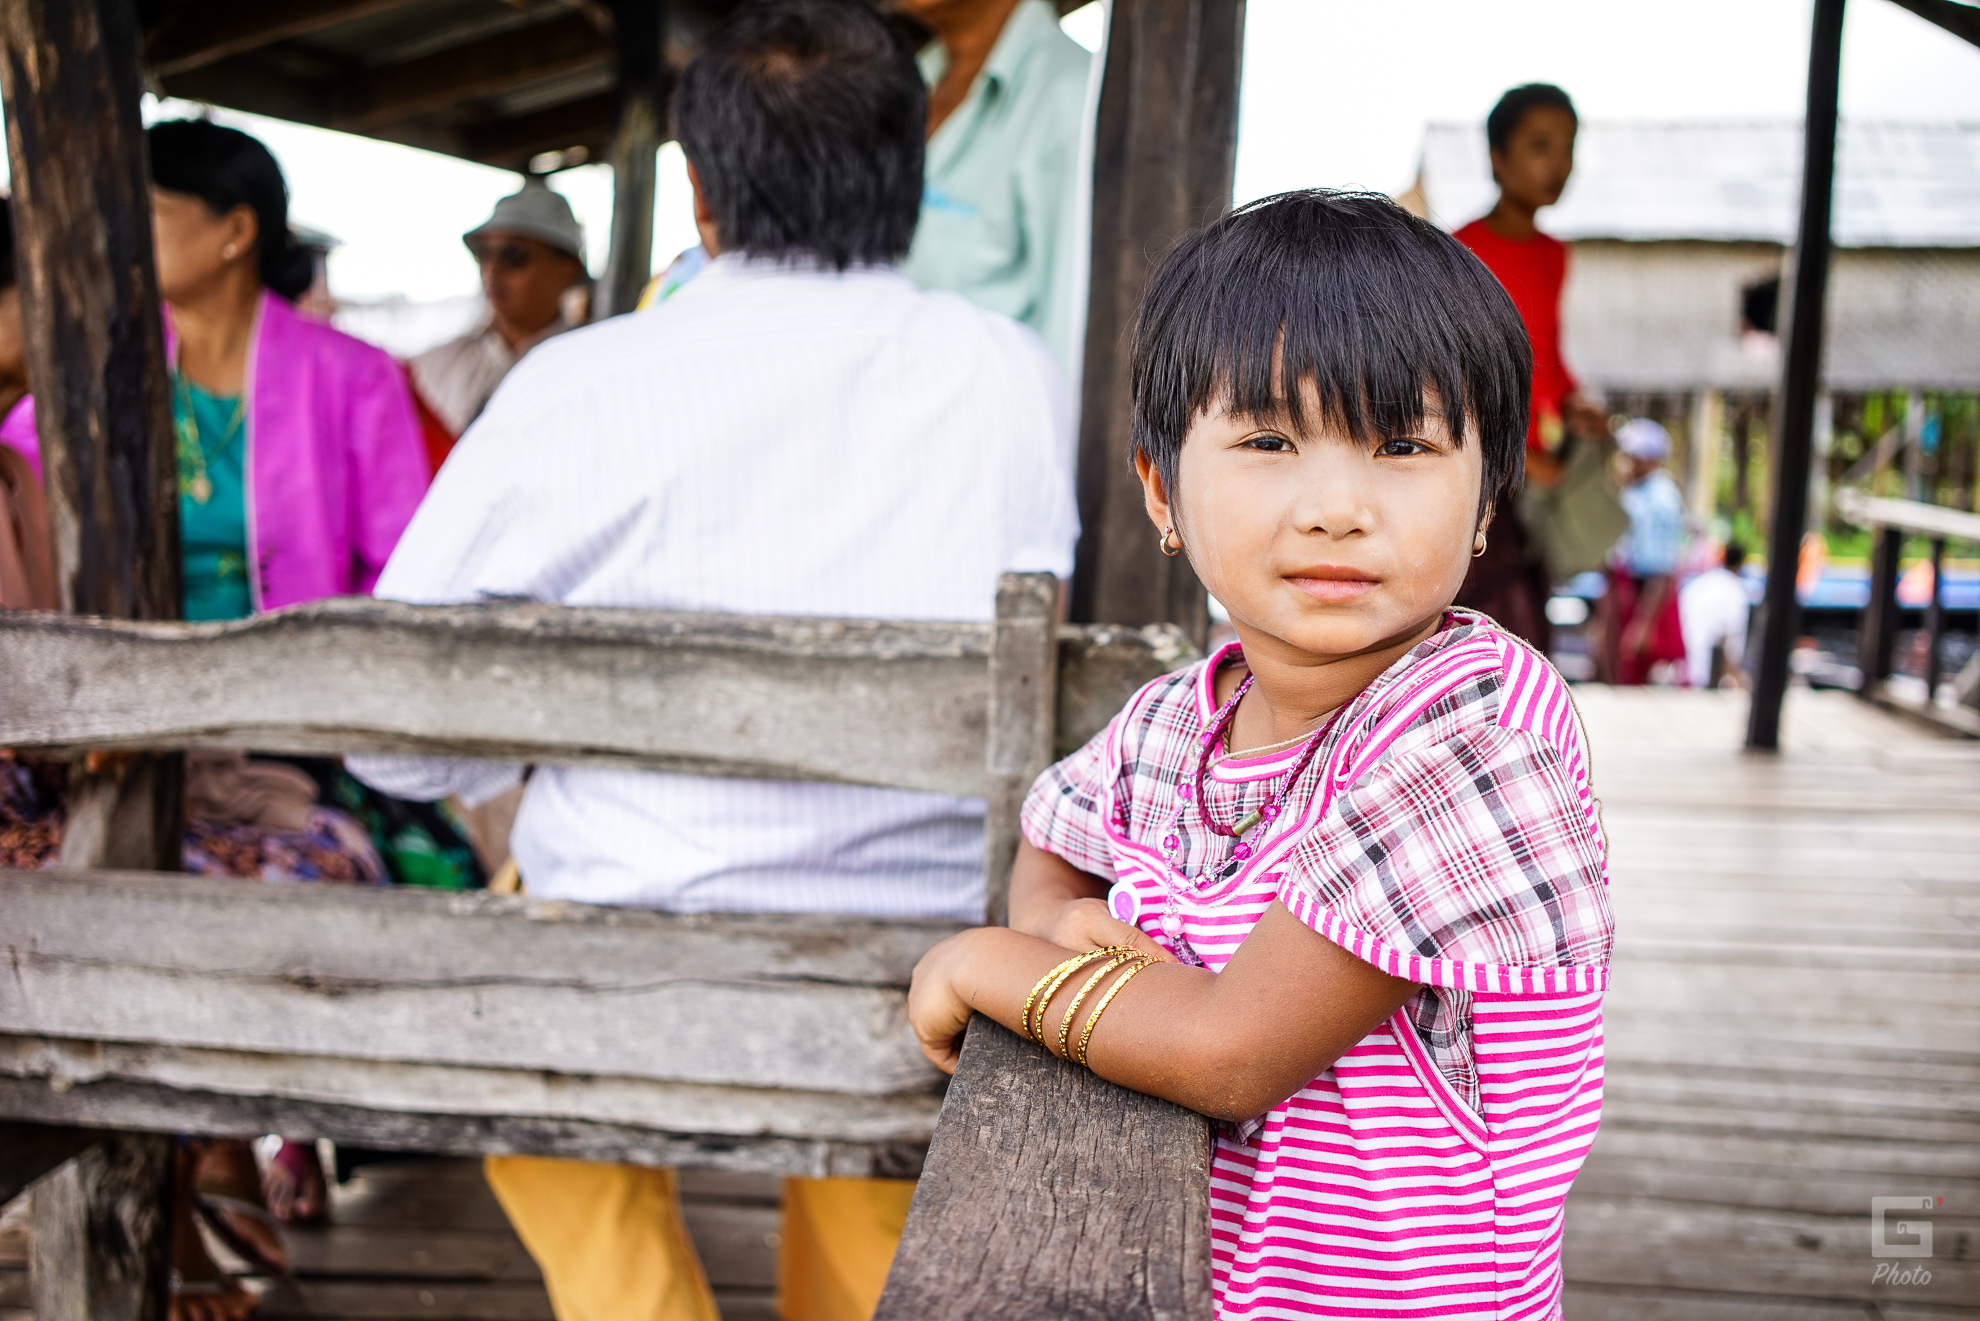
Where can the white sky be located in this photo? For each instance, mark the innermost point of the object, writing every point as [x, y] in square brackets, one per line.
[1336, 92]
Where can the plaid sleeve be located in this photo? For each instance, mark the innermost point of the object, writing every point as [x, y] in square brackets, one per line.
[1062, 812]
[1476, 848]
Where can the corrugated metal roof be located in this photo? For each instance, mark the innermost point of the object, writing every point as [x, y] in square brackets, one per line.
[1904, 185]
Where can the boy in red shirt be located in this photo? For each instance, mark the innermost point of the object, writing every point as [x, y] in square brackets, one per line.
[1531, 132]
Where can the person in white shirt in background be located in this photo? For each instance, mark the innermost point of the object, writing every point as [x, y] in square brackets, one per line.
[1715, 610]
[531, 254]
[799, 431]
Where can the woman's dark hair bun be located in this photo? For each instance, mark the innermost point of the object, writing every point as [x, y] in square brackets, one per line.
[226, 168]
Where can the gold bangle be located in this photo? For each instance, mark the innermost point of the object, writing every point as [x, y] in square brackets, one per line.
[1048, 986]
[1121, 955]
[1100, 1008]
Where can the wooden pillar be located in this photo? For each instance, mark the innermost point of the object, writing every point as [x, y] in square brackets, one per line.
[1801, 367]
[103, 1234]
[638, 35]
[96, 362]
[1024, 687]
[1164, 147]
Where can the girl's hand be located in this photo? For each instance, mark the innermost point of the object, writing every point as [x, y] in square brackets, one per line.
[1083, 924]
[937, 1012]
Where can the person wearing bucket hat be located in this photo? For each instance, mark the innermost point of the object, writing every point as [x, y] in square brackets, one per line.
[1642, 626]
[531, 254]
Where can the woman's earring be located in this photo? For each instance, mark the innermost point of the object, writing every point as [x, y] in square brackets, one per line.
[227, 253]
[1167, 549]
[1478, 546]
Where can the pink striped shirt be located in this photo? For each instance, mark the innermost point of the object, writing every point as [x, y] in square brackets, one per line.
[1447, 833]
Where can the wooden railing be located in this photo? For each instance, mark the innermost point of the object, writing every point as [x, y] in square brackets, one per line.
[1890, 522]
[471, 1022]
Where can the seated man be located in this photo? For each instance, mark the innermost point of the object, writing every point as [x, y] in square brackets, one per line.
[799, 431]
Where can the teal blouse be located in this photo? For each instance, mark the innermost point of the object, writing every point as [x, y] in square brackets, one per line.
[212, 532]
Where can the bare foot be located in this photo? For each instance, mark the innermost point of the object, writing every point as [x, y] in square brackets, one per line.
[227, 1186]
[294, 1186]
[201, 1291]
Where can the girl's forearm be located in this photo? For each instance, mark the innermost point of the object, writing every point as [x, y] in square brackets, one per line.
[1230, 1044]
[1042, 882]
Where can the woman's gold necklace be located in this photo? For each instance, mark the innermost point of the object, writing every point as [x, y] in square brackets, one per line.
[193, 456]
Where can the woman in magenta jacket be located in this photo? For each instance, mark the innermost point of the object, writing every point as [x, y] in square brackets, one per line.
[300, 462]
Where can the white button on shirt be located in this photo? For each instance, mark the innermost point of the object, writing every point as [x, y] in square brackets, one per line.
[768, 441]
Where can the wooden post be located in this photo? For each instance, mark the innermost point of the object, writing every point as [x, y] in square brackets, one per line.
[1876, 628]
[1164, 147]
[1050, 1193]
[1935, 624]
[1794, 408]
[1024, 665]
[89, 303]
[95, 343]
[103, 1234]
[638, 33]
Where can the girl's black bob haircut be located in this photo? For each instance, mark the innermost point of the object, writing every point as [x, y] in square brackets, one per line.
[1346, 293]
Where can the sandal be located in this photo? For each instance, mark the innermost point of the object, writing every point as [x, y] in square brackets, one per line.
[215, 1211]
[218, 1299]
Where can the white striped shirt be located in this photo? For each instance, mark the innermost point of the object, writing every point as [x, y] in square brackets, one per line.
[768, 441]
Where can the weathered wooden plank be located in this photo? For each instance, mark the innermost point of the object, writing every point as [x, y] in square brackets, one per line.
[436, 1090]
[848, 700]
[1027, 1146]
[164, 1109]
[1023, 693]
[102, 1232]
[901, 704]
[472, 979]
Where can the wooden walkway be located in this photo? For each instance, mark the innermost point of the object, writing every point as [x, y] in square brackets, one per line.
[1793, 1029]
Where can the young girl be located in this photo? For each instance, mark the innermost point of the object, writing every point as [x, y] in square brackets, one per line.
[1351, 862]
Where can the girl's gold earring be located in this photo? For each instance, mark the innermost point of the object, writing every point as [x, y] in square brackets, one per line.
[1478, 548]
[1167, 549]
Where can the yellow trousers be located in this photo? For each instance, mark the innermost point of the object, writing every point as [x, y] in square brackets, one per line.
[611, 1245]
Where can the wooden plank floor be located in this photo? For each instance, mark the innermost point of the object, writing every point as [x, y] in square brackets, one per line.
[1793, 1024]
[1793, 1028]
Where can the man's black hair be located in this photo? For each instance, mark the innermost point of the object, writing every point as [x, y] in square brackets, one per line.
[1345, 292]
[805, 121]
[1735, 556]
[1503, 122]
[225, 168]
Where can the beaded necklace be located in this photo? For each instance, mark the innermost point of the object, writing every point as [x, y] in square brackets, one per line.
[192, 452]
[1193, 792]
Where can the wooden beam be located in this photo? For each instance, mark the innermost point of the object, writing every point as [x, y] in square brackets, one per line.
[441, 81]
[476, 980]
[1962, 20]
[1050, 1193]
[28, 1151]
[201, 33]
[1165, 145]
[102, 1233]
[1801, 380]
[1023, 692]
[509, 143]
[852, 700]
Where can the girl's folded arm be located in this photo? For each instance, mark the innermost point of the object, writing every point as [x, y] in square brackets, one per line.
[1231, 1045]
[1056, 901]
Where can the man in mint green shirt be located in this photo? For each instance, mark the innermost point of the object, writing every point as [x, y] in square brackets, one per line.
[1006, 105]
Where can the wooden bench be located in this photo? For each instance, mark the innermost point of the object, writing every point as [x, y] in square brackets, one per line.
[143, 1003]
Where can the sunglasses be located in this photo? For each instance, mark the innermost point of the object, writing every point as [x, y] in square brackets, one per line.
[509, 256]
